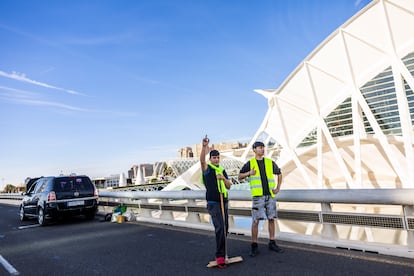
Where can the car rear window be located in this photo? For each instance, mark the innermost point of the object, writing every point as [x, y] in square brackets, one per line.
[67, 184]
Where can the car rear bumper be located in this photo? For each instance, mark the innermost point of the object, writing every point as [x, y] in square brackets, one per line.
[56, 209]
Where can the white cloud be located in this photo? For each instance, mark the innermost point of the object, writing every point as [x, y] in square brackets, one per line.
[17, 93]
[24, 97]
[29, 98]
[357, 2]
[102, 40]
[47, 70]
[52, 104]
[23, 78]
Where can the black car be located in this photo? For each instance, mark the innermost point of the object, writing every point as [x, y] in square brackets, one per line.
[30, 182]
[59, 196]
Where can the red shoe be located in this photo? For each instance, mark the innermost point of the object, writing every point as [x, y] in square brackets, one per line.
[221, 262]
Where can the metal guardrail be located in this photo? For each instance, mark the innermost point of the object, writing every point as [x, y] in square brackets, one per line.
[375, 220]
[11, 196]
[361, 196]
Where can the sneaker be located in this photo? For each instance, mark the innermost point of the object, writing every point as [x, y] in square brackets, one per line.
[254, 250]
[221, 262]
[273, 247]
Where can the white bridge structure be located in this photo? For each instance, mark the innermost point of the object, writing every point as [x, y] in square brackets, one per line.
[344, 118]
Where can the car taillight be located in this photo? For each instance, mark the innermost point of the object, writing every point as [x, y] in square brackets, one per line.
[95, 192]
[51, 196]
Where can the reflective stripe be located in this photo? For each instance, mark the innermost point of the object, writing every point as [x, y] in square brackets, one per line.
[256, 186]
[255, 180]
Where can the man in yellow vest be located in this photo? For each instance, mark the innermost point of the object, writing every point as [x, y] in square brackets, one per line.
[217, 182]
[260, 171]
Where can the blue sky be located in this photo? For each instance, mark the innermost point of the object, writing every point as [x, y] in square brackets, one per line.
[96, 86]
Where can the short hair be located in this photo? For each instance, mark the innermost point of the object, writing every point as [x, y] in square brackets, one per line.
[214, 153]
[258, 144]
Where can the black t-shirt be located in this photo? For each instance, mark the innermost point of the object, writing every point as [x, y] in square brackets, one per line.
[260, 163]
[210, 181]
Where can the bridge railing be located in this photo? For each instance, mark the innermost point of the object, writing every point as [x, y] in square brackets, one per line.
[373, 220]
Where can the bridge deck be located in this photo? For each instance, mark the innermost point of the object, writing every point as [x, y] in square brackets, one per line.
[192, 249]
[158, 249]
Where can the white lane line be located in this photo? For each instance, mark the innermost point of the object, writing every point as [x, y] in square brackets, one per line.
[28, 226]
[8, 266]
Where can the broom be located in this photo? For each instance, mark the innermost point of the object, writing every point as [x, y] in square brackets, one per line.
[228, 260]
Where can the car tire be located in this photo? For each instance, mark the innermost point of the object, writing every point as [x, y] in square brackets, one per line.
[22, 214]
[41, 216]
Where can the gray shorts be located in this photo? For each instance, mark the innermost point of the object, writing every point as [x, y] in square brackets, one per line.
[264, 207]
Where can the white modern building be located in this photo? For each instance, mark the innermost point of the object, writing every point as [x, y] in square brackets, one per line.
[344, 117]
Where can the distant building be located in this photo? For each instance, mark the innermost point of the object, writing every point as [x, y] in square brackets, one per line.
[186, 152]
[107, 182]
[166, 170]
[224, 146]
[139, 173]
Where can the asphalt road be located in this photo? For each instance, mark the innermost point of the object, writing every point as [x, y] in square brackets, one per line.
[81, 247]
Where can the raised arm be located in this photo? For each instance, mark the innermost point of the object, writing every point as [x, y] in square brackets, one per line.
[204, 148]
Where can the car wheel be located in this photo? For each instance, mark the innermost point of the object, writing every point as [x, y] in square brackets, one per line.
[41, 216]
[22, 214]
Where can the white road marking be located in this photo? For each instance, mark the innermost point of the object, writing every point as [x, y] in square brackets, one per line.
[8, 266]
[28, 226]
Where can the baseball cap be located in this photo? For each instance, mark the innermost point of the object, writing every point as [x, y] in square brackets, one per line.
[258, 144]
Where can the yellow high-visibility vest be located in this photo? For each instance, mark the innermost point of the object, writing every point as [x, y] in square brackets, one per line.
[255, 180]
[220, 183]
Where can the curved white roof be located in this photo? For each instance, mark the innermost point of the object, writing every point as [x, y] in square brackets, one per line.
[379, 36]
[375, 149]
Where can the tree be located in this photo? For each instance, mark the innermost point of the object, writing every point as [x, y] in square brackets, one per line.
[9, 188]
